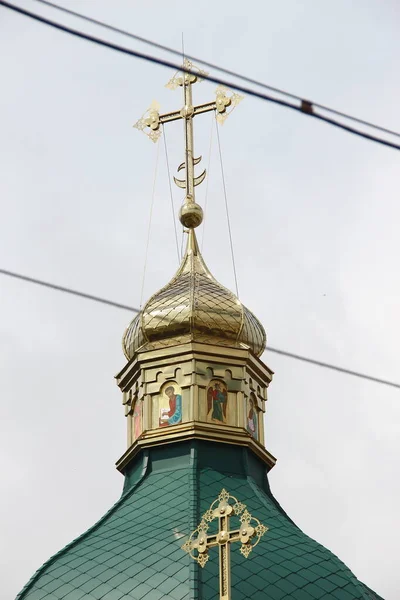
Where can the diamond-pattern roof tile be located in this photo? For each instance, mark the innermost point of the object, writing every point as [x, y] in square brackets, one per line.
[194, 303]
[134, 551]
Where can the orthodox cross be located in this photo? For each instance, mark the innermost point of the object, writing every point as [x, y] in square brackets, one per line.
[200, 542]
[191, 213]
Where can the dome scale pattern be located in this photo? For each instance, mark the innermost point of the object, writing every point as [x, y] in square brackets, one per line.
[193, 305]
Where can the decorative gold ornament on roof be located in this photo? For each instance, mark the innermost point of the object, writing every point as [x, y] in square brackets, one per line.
[200, 541]
[151, 120]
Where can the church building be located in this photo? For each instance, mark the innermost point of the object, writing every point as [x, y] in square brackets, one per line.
[197, 519]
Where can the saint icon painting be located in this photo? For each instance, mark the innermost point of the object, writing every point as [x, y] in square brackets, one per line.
[170, 405]
[137, 419]
[252, 418]
[217, 402]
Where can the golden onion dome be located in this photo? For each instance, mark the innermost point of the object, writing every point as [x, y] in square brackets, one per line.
[193, 306]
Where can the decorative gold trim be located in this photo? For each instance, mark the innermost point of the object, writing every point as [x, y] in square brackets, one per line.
[189, 349]
[183, 432]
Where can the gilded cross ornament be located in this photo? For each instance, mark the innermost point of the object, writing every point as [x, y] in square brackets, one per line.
[191, 214]
[249, 534]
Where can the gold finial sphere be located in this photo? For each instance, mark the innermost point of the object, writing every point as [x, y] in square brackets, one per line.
[191, 214]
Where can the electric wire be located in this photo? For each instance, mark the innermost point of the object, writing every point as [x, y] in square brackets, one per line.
[227, 210]
[306, 107]
[67, 290]
[183, 200]
[182, 238]
[311, 361]
[319, 363]
[171, 194]
[208, 180]
[149, 226]
[215, 67]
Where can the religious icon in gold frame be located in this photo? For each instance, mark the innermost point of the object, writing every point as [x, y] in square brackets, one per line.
[252, 417]
[137, 418]
[170, 405]
[217, 401]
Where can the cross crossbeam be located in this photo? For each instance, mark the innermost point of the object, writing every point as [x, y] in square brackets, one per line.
[199, 542]
[154, 121]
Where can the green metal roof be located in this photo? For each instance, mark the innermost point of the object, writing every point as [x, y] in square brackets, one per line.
[134, 551]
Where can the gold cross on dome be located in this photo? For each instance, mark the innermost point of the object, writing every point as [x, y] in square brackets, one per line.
[250, 529]
[151, 122]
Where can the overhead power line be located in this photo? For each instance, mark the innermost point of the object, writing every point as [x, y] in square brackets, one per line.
[66, 290]
[305, 107]
[311, 361]
[229, 72]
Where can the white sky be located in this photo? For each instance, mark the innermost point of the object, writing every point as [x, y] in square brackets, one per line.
[314, 215]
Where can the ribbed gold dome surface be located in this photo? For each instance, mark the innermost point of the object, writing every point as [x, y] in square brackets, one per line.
[194, 306]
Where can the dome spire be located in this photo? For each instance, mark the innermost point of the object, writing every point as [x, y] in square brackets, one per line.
[191, 213]
[193, 305]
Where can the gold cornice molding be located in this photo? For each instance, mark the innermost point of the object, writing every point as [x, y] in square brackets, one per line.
[196, 431]
[193, 350]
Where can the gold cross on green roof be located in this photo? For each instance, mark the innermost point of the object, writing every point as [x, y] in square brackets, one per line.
[250, 529]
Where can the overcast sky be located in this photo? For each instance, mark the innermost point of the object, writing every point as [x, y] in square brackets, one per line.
[315, 219]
